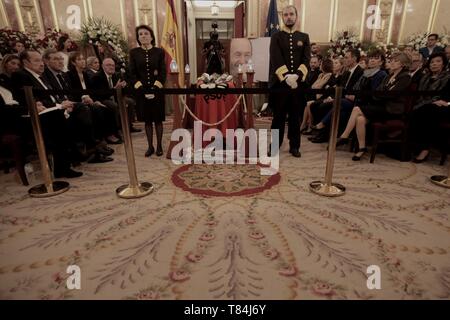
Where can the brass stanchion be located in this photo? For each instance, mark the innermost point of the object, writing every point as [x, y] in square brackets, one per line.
[328, 188]
[50, 188]
[443, 181]
[134, 189]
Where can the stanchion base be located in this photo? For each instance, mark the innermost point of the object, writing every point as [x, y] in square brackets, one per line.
[128, 192]
[442, 181]
[320, 188]
[41, 191]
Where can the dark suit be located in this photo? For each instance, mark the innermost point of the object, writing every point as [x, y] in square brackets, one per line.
[54, 124]
[57, 84]
[426, 54]
[24, 78]
[100, 82]
[290, 52]
[104, 122]
[348, 81]
[81, 123]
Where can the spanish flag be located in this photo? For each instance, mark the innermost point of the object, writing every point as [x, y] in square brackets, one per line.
[171, 41]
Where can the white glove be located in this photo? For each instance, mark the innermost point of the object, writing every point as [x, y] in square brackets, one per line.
[149, 96]
[291, 80]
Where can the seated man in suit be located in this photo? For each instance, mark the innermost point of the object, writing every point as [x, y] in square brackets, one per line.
[105, 79]
[54, 123]
[81, 124]
[93, 66]
[416, 69]
[431, 47]
[314, 69]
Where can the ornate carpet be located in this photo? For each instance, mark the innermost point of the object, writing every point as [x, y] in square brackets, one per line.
[226, 233]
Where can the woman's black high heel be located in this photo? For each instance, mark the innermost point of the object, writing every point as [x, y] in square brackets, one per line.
[149, 152]
[358, 158]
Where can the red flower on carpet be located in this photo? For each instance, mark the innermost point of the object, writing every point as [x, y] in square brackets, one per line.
[256, 235]
[322, 289]
[58, 277]
[147, 295]
[251, 221]
[207, 236]
[211, 223]
[179, 275]
[194, 257]
[272, 254]
[288, 271]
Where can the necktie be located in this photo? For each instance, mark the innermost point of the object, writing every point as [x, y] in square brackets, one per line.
[47, 87]
[111, 86]
[63, 85]
[110, 82]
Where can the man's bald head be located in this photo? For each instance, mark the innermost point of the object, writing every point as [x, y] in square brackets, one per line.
[240, 54]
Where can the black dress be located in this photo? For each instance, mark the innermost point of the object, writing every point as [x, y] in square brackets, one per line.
[148, 68]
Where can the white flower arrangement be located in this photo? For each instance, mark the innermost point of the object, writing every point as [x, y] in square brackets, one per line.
[99, 31]
[345, 40]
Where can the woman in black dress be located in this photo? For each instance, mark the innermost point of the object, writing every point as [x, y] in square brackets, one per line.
[430, 111]
[147, 69]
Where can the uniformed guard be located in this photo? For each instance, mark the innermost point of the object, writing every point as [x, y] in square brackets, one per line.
[290, 52]
[147, 69]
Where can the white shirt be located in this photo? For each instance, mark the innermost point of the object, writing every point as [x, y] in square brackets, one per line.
[66, 61]
[7, 96]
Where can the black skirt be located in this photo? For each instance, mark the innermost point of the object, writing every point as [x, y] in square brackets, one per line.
[150, 110]
[375, 112]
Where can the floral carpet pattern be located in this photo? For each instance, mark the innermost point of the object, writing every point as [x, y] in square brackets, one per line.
[223, 180]
[283, 242]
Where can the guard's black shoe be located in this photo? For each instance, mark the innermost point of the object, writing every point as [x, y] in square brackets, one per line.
[295, 152]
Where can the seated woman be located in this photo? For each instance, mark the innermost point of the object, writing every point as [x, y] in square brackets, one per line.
[430, 110]
[10, 110]
[324, 81]
[380, 108]
[371, 80]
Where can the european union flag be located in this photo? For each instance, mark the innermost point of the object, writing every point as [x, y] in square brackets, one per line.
[272, 24]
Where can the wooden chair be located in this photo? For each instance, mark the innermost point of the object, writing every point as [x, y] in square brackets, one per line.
[381, 131]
